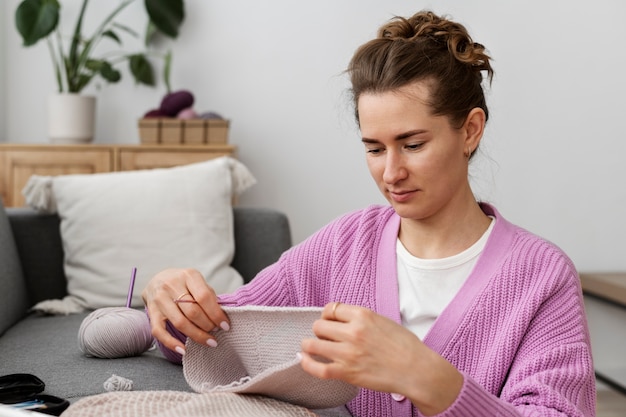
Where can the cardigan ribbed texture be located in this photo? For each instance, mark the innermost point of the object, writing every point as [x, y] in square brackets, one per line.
[516, 329]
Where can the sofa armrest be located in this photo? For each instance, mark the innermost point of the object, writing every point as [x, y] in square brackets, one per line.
[13, 294]
[38, 240]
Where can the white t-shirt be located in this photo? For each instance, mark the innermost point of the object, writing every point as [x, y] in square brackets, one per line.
[426, 286]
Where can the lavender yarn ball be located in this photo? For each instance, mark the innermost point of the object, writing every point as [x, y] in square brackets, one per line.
[211, 115]
[115, 332]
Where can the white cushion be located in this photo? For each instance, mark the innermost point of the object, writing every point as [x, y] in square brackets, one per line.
[149, 219]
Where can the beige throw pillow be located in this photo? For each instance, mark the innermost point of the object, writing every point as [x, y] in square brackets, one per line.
[148, 219]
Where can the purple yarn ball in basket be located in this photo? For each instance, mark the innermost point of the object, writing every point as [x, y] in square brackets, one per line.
[176, 101]
[154, 113]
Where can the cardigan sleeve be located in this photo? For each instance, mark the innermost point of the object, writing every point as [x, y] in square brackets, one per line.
[333, 264]
[551, 373]
[538, 399]
[269, 287]
[299, 270]
[303, 275]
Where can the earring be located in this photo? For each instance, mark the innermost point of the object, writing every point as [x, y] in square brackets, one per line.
[467, 153]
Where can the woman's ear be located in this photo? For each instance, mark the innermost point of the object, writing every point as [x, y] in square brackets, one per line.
[474, 127]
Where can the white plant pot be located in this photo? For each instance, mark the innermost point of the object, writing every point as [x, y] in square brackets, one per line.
[71, 118]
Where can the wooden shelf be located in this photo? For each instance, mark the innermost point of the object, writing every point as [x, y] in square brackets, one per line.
[607, 285]
[19, 161]
[605, 306]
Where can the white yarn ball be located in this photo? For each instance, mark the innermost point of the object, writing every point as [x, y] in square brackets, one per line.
[115, 332]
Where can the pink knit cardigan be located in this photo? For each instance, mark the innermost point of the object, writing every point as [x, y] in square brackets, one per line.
[516, 329]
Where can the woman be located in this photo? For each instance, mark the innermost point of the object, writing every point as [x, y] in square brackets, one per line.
[434, 304]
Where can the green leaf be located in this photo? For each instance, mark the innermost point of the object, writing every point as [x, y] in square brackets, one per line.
[126, 29]
[77, 39]
[167, 67]
[142, 69]
[36, 19]
[93, 65]
[78, 60]
[151, 30]
[112, 35]
[80, 82]
[109, 73]
[167, 15]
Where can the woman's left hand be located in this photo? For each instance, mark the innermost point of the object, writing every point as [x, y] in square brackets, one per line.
[371, 351]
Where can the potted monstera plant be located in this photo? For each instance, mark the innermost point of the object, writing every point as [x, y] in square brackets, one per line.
[76, 62]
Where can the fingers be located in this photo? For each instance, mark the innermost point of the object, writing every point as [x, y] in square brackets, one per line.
[159, 330]
[330, 311]
[322, 357]
[207, 300]
[185, 318]
[317, 368]
[339, 312]
[348, 341]
[330, 359]
[183, 298]
[339, 321]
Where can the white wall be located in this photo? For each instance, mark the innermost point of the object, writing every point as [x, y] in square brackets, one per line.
[551, 158]
[3, 33]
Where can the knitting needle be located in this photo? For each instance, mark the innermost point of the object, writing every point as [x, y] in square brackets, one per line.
[131, 287]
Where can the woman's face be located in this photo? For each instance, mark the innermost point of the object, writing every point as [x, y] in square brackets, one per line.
[418, 160]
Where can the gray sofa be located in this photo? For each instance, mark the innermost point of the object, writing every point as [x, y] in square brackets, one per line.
[31, 270]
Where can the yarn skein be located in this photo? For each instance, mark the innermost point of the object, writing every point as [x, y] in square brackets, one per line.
[118, 383]
[115, 332]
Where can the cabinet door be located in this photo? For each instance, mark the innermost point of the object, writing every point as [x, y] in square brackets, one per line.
[19, 165]
[147, 157]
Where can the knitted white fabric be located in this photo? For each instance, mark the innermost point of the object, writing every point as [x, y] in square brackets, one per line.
[184, 404]
[258, 356]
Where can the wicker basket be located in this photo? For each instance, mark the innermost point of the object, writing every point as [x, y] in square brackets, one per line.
[170, 131]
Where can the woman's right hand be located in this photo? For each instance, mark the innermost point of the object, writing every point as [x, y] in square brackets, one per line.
[182, 297]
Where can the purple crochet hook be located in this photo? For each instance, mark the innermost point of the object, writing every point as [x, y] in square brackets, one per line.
[131, 287]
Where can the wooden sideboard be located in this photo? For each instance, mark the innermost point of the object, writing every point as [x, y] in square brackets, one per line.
[19, 162]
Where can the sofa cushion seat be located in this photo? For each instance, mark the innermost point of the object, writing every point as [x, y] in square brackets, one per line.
[47, 346]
